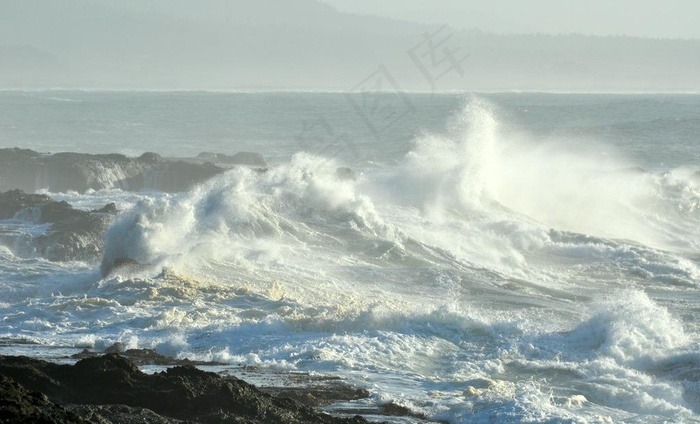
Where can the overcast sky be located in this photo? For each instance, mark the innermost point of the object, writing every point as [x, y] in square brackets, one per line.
[643, 18]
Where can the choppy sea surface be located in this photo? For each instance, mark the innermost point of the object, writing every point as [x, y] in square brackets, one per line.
[512, 257]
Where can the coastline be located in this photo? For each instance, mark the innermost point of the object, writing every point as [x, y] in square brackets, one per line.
[139, 385]
[38, 382]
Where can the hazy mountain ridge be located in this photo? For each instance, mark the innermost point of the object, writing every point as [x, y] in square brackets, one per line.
[306, 44]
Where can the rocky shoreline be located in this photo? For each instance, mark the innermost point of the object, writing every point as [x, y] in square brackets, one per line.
[31, 171]
[72, 234]
[110, 388]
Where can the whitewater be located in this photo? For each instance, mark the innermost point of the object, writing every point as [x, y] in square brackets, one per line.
[500, 258]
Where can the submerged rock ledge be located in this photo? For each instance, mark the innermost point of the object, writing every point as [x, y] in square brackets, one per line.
[111, 389]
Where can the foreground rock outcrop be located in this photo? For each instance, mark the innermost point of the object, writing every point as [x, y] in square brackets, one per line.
[72, 234]
[110, 389]
[30, 171]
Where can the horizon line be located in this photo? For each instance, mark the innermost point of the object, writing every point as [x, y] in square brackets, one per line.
[338, 91]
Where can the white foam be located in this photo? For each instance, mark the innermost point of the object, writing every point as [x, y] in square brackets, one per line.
[552, 280]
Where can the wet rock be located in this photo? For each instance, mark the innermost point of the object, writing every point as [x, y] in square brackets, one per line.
[18, 405]
[150, 157]
[85, 353]
[120, 414]
[180, 393]
[396, 410]
[73, 234]
[141, 356]
[15, 154]
[121, 264]
[173, 176]
[344, 173]
[117, 347]
[63, 172]
[316, 394]
[108, 208]
[31, 171]
[13, 201]
[243, 158]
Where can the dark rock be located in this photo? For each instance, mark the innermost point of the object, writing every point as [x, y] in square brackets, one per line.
[117, 347]
[17, 154]
[19, 406]
[63, 172]
[74, 234]
[344, 173]
[54, 211]
[150, 157]
[13, 201]
[122, 264]
[180, 393]
[30, 171]
[176, 176]
[141, 356]
[119, 414]
[108, 208]
[30, 373]
[85, 353]
[393, 409]
[243, 158]
[319, 394]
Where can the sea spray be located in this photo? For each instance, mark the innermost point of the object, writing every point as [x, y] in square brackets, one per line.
[500, 268]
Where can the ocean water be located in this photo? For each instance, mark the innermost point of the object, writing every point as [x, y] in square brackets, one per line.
[513, 257]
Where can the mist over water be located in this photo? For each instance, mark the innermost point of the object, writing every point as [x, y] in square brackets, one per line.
[312, 45]
[486, 265]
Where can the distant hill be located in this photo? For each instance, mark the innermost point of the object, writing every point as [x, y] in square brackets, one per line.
[306, 44]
